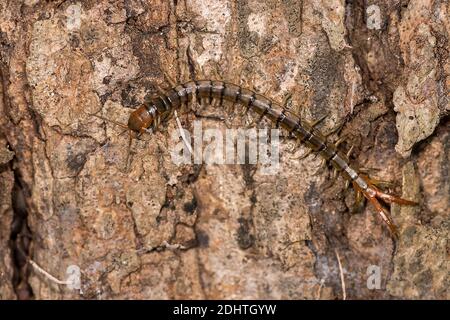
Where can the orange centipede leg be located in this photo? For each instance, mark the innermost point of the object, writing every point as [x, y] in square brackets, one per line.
[393, 199]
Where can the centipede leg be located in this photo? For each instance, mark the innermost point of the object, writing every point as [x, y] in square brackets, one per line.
[194, 102]
[334, 130]
[316, 122]
[340, 140]
[392, 199]
[359, 201]
[384, 214]
[160, 90]
[286, 101]
[368, 171]
[195, 67]
[169, 79]
[253, 123]
[346, 184]
[303, 156]
[381, 183]
[349, 152]
[204, 102]
[216, 73]
[334, 174]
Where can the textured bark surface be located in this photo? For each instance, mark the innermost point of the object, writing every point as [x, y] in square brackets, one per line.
[157, 230]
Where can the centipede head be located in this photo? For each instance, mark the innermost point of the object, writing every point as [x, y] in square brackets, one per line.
[141, 119]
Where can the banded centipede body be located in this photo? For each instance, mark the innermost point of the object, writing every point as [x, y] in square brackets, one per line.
[159, 109]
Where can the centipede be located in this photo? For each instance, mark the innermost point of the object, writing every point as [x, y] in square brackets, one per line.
[158, 109]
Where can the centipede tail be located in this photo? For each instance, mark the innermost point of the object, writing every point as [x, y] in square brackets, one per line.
[161, 107]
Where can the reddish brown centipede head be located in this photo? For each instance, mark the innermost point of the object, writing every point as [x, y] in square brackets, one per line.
[140, 119]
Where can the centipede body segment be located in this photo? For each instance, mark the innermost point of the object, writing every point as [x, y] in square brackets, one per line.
[161, 107]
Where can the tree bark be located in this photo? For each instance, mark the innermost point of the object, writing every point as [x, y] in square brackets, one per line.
[148, 228]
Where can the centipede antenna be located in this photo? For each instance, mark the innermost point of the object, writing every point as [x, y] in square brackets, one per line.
[127, 161]
[112, 121]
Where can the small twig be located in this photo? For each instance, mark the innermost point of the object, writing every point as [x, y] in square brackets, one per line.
[175, 246]
[46, 274]
[162, 246]
[352, 94]
[341, 272]
[183, 136]
[319, 290]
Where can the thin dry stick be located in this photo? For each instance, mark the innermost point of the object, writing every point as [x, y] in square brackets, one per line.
[341, 272]
[46, 274]
[351, 97]
[319, 290]
[183, 136]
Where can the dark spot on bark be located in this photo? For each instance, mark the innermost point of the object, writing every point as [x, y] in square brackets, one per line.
[387, 135]
[105, 97]
[74, 41]
[145, 48]
[128, 97]
[190, 207]
[190, 177]
[247, 40]
[190, 243]
[312, 196]
[106, 80]
[424, 279]
[75, 161]
[44, 16]
[248, 170]
[244, 237]
[202, 239]
[408, 234]
[415, 266]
